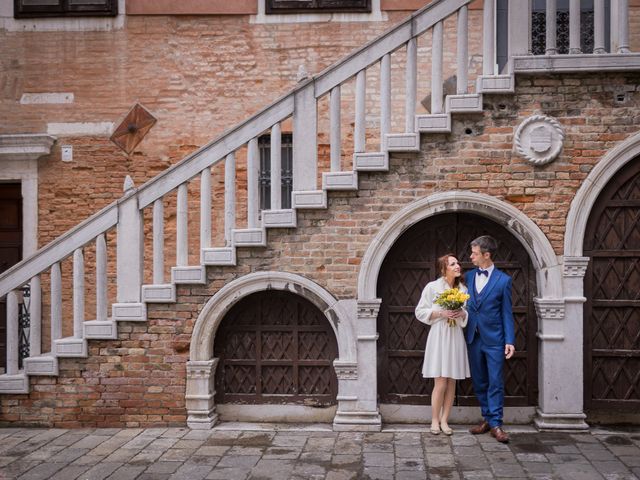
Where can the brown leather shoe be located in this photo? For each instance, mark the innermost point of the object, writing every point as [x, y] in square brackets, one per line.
[500, 435]
[482, 427]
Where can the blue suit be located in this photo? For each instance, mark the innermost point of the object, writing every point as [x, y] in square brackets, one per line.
[489, 329]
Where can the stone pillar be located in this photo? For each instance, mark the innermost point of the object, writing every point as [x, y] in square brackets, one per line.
[201, 408]
[561, 353]
[358, 409]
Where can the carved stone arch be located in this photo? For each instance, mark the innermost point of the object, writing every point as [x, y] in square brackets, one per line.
[202, 365]
[544, 260]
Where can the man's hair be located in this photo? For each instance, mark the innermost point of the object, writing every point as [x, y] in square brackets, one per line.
[486, 244]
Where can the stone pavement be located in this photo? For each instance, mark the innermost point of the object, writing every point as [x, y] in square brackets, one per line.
[250, 451]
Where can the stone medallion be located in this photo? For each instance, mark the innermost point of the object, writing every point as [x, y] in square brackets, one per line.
[539, 139]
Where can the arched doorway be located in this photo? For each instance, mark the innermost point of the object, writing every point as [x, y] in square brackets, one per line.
[275, 347]
[408, 266]
[612, 309]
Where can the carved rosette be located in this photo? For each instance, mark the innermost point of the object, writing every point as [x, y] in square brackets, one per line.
[575, 266]
[539, 139]
[346, 370]
[549, 309]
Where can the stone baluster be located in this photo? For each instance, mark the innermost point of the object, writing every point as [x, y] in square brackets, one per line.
[276, 167]
[385, 96]
[551, 27]
[56, 304]
[335, 133]
[598, 27]
[78, 292]
[359, 134]
[158, 242]
[182, 226]
[488, 38]
[205, 211]
[253, 171]
[229, 197]
[101, 279]
[35, 313]
[411, 79]
[463, 51]
[574, 27]
[13, 333]
[436, 67]
[623, 26]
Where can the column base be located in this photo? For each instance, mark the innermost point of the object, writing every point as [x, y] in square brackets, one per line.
[357, 422]
[202, 422]
[560, 421]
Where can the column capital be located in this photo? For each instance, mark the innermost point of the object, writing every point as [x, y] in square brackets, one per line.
[368, 309]
[549, 308]
[574, 266]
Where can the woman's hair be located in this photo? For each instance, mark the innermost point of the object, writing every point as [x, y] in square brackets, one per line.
[443, 261]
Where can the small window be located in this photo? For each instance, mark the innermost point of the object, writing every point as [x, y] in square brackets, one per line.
[64, 8]
[317, 6]
[286, 170]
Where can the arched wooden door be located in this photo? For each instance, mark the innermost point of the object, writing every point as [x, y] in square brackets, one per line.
[408, 267]
[612, 289]
[276, 347]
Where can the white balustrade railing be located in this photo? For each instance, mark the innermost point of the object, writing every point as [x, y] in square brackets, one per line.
[297, 110]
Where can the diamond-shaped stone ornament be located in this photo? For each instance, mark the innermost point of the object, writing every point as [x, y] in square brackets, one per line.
[133, 128]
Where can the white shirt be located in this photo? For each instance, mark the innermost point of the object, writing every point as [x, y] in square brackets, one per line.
[482, 280]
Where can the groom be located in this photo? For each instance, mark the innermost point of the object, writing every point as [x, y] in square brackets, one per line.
[489, 335]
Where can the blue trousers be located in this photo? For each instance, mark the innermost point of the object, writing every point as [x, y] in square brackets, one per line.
[486, 363]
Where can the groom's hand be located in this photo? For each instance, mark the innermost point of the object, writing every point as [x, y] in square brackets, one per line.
[509, 350]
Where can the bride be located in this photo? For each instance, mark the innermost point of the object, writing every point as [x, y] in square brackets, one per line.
[445, 355]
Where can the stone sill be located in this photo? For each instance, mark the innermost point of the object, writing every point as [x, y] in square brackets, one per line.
[576, 63]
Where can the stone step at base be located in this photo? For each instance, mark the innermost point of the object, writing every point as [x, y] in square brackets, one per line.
[44, 365]
[340, 181]
[159, 293]
[14, 384]
[70, 347]
[101, 329]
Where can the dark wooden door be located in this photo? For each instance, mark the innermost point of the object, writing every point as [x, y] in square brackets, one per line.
[276, 347]
[10, 246]
[612, 289]
[409, 266]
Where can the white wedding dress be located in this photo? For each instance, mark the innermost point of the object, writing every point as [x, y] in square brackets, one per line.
[445, 354]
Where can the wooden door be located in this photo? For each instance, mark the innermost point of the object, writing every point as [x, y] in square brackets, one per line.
[276, 347]
[10, 246]
[409, 266]
[612, 289]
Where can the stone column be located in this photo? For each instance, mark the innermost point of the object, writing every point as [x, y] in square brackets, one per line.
[561, 353]
[358, 409]
[201, 408]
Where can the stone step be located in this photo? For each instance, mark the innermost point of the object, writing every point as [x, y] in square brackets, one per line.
[129, 312]
[189, 275]
[371, 162]
[284, 218]
[465, 103]
[434, 123]
[340, 181]
[219, 256]
[70, 347]
[14, 384]
[250, 237]
[159, 293]
[45, 365]
[496, 84]
[309, 199]
[101, 329]
[402, 142]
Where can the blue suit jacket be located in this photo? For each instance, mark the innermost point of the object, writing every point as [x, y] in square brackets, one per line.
[490, 312]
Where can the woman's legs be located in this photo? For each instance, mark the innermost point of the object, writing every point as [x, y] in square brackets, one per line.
[437, 399]
[449, 395]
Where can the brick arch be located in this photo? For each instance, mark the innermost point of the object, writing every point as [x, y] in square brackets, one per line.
[545, 262]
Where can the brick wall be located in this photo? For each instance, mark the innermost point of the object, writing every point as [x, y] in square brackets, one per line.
[139, 379]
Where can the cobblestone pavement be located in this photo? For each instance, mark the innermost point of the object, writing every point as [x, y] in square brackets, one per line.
[234, 451]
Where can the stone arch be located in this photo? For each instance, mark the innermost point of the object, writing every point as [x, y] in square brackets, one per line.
[548, 272]
[201, 367]
[590, 190]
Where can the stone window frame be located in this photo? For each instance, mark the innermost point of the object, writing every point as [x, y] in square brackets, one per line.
[316, 6]
[64, 8]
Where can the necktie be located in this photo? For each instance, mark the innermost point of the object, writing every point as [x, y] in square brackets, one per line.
[483, 272]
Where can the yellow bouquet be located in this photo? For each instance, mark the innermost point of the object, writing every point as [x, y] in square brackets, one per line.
[452, 299]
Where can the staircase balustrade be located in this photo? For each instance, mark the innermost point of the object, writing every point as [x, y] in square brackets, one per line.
[299, 108]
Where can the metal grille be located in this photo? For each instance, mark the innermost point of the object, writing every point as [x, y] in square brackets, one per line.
[24, 323]
[286, 170]
[539, 31]
[612, 310]
[276, 347]
[410, 265]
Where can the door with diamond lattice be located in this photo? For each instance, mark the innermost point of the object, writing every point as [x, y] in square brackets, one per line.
[409, 266]
[275, 347]
[612, 289]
